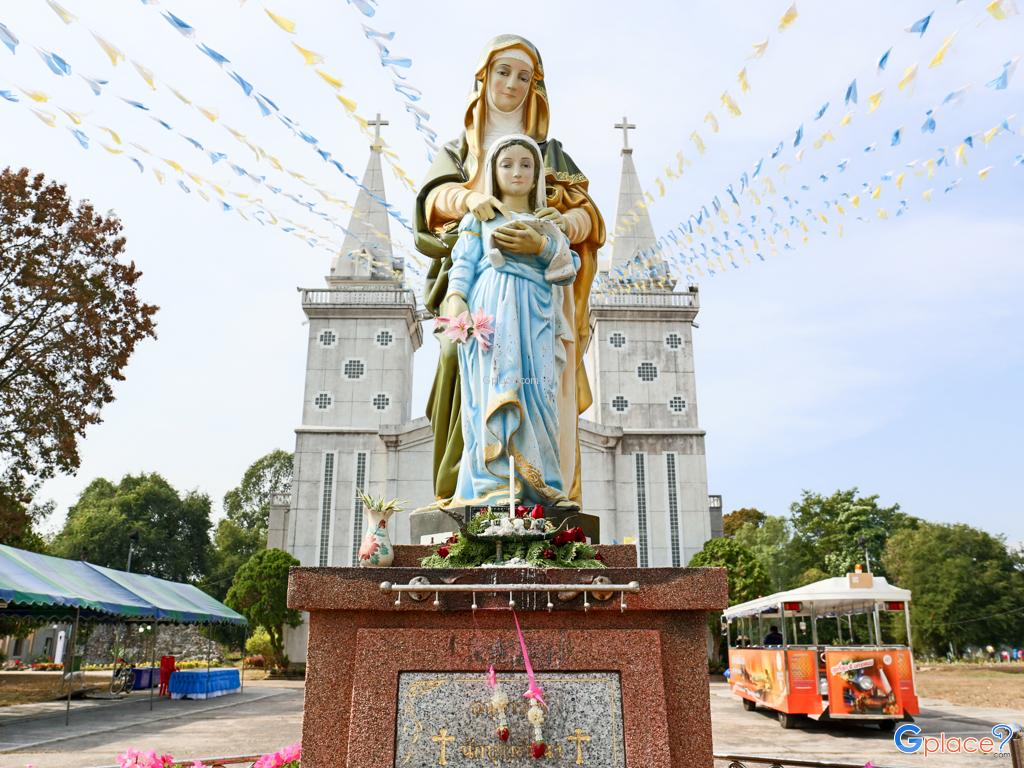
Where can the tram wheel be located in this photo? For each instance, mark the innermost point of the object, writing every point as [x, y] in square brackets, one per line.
[788, 721]
[749, 705]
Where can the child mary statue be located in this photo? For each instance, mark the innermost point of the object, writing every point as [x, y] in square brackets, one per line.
[511, 366]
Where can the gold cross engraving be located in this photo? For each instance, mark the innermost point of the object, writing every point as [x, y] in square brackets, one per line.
[580, 738]
[443, 739]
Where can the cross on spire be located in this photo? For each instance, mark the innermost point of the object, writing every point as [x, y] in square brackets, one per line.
[377, 123]
[626, 126]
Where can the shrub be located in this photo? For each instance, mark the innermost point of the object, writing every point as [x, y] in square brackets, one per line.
[259, 644]
[257, 661]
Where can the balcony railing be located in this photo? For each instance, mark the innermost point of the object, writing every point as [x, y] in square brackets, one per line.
[642, 300]
[327, 297]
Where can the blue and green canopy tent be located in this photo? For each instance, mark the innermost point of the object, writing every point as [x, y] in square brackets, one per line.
[52, 588]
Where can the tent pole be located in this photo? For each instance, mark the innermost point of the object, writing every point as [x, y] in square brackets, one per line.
[241, 679]
[152, 666]
[69, 669]
[209, 649]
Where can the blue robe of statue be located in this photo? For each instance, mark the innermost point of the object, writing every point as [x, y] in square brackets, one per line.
[509, 392]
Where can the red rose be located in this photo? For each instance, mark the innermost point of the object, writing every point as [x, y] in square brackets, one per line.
[548, 554]
[599, 557]
[442, 551]
[562, 537]
[578, 535]
[537, 749]
[521, 510]
[502, 734]
[538, 512]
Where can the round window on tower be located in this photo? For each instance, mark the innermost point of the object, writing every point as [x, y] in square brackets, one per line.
[323, 401]
[327, 338]
[677, 404]
[647, 371]
[674, 341]
[620, 404]
[381, 401]
[617, 340]
[354, 369]
[385, 338]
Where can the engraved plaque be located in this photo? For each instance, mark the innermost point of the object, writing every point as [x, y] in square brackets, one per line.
[446, 718]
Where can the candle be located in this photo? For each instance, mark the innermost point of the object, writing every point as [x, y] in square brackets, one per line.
[511, 486]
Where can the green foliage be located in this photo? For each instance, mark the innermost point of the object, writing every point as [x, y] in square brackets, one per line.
[259, 644]
[173, 530]
[260, 593]
[771, 543]
[967, 585]
[747, 579]
[248, 505]
[732, 522]
[19, 521]
[834, 532]
[232, 546]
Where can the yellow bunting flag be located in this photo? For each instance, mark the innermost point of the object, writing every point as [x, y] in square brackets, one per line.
[237, 134]
[309, 57]
[732, 106]
[194, 177]
[159, 175]
[711, 120]
[181, 97]
[112, 133]
[927, 195]
[929, 164]
[899, 180]
[941, 53]
[74, 117]
[855, 201]
[112, 51]
[698, 142]
[883, 214]
[908, 77]
[661, 187]
[769, 187]
[347, 103]
[876, 192]
[36, 95]
[991, 133]
[174, 165]
[65, 15]
[217, 188]
[286, 24]
[47, 117]
[111, 150]
[759, 49]
[788, 18]
[682, 162]
[825, 137]
[983, 173]
[961, 154]
[840, 210]
[741, 78]
[784, 168]
[145, 74]
[209, 114]
[275, 162]
[874, 100]
[1001, 10]
[331, 80]
[846, 119]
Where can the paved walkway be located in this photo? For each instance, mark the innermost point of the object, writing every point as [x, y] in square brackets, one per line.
[267, 716]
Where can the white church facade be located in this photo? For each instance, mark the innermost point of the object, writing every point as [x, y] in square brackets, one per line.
[643, 467]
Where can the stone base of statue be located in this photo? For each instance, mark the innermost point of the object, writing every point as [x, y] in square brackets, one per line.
[432, 526]
[397, 664]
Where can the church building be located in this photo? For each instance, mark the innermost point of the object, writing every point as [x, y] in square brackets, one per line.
[643, 466]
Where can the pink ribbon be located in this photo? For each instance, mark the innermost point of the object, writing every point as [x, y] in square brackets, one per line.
[534, 691]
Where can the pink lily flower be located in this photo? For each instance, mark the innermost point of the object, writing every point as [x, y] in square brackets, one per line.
[458, 328]
[441, 322]
[483, 328]
[492, 677]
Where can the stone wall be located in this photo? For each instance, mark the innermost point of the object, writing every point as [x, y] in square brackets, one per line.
[184, 642]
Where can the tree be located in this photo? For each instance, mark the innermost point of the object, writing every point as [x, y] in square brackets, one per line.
[233, 545]
[173, 530]
[736, 519]
[833, 533]
[771, 543]
[747, 579]
[18, 522]
[260, 593]
[249, 503]
[70, 318]
[966, 586]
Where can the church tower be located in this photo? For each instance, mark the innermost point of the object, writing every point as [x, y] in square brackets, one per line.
[641, 362]
[363, 332]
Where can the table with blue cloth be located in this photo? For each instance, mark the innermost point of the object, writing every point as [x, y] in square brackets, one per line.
[203, 684]
[145, 677]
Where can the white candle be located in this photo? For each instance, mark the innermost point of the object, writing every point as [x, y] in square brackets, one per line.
[511, 486]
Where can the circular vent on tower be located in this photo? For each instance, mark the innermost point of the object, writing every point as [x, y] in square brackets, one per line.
[354, 369]
[323, 400]
[381, 401]
[620, 404]
[647, 371]
[674, 341]
[617, 340]
[327, 338]
[385, 338]
[677, 404]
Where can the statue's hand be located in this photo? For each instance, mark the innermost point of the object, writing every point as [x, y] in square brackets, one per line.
[519, 237]
[484, 207]
[554, 216]
[454, 305]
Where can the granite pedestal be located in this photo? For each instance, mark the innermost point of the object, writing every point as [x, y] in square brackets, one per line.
[404, 685]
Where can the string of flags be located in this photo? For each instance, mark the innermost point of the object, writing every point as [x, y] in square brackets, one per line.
[410, 94]
[313, 59]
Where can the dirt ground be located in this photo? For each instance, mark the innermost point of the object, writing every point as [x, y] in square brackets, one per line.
[974, 685]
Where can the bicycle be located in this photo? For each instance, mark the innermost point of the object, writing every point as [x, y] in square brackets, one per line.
[123, 680]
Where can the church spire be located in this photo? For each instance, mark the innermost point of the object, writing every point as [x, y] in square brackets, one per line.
[633, 231]
[366, 253]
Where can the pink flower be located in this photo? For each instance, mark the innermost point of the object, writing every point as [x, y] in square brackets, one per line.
[458, 328]
[368, 547]
[483, 328]
[441, 322]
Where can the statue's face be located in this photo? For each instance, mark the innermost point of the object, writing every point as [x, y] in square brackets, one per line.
[508, 81]
[514, 170]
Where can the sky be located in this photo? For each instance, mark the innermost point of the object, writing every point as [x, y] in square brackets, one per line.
[889, 359]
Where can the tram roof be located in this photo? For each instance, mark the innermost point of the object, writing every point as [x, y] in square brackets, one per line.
[828, 597]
